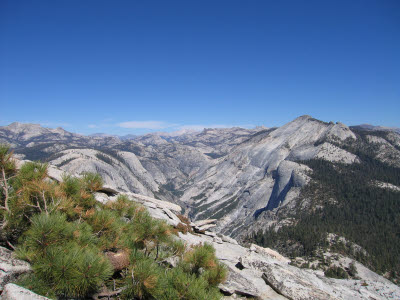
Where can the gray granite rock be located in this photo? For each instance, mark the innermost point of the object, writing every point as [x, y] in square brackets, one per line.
[10, 267]
[16, 292]
[201, 223]
[171, 215]
[161, 204]
[218, 240]
[228, 239]
[206, 227]
[101, 197]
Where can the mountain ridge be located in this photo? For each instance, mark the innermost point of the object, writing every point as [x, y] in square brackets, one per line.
[248, 179]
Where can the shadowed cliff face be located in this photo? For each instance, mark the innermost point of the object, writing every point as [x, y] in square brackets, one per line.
[231, 174]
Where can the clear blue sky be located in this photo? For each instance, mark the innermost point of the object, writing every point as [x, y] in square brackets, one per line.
[102, 66]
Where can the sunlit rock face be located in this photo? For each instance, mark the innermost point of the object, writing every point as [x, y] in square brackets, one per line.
[235, 175]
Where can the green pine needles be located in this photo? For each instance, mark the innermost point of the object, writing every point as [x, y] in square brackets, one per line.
[79, 247]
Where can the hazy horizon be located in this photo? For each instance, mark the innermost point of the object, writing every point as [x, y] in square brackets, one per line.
[130, 67]
[177, 129]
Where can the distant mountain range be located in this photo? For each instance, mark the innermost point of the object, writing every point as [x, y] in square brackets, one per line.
[373, 128]
[247, 179]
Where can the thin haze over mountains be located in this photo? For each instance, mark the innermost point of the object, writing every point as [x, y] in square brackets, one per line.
[132, 67]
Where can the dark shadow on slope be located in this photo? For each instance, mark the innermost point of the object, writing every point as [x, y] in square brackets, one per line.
[276, 198]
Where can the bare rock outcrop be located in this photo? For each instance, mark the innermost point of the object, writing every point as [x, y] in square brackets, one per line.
[16, 292]
[10, 267]
[158, 203]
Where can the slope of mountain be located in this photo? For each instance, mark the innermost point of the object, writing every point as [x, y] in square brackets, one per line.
[259, 174]
[248, 179]
[232, 174]
[357, 202]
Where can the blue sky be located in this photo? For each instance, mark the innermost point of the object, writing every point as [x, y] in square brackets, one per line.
[137, 66]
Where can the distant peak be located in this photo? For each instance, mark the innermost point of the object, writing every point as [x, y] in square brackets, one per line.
[24, 125]
[374, 127]
[305, 117]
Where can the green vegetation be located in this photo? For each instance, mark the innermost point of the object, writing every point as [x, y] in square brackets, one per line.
[104, 158]
[346, 202]
[352, 270]
[78, 246]
[35, 152]
[113, 154]
[336, 272]
[215, 155]
[170, 187]
[64, 162]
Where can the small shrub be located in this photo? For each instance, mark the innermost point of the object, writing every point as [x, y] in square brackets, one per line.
[215, 275]
[64, 256]
[352, 270]
[184, 226]
[108, 228]
[144, 280]
[31, 282]
[71, 186]
[30, 172]
[177, 247]
[186, 286]
[73, 271]
[45, 231]
[200, 257]
[336, 272]
[92, 182]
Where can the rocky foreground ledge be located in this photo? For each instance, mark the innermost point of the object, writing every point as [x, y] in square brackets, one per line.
[254, 272]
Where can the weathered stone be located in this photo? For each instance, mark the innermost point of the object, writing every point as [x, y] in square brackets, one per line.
[55, 173]
[228, 239]
[171, 215]
[101, 197]
[172, 261]
[285, 282]
[201, 223]
[235, 283]
[16, 292]
[218, 240]
[269, 252]
[206, 227]
[160, 214]
[10, 267]
[159, 203]
[108, 190]
[210, 233]
[150, 204]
